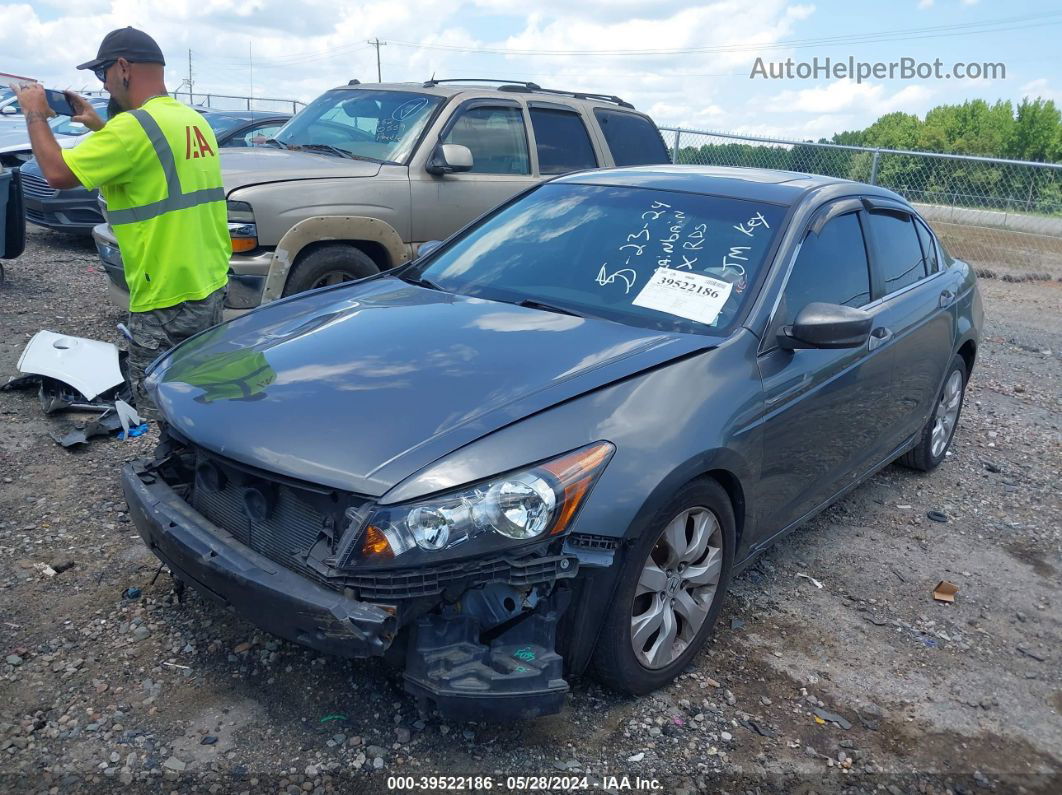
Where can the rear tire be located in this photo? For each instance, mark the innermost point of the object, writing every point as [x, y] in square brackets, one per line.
[659, 587]
[327, 265]
[935, 440]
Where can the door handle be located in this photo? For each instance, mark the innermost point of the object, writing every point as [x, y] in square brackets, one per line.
[878, 337]
[946, 297]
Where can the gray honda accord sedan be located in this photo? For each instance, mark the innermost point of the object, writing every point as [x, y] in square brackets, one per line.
[547, 445]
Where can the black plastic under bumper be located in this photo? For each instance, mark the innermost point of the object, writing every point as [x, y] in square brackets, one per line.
[517, 674]
[276, 599]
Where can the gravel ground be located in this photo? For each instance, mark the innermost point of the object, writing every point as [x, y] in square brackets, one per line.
[863, 684]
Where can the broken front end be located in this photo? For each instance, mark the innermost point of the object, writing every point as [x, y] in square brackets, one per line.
[468, 588]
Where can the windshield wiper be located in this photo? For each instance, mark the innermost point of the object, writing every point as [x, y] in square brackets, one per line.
[531, 303]
[420, 281]
[278, 144]
[335, 150]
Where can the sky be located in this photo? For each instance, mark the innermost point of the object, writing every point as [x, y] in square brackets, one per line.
[685, 63]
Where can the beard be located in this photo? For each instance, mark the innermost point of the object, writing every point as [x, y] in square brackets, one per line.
[113, 108]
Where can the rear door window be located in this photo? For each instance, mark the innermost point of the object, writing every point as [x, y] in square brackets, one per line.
[562, 141]
[632, 139]
[496, 137]
[832, 268]
[897, 252]
[929, 248]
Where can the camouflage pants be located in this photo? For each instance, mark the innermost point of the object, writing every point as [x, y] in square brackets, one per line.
[157, 331]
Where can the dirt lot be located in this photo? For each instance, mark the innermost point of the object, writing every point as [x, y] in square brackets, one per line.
[98, 692]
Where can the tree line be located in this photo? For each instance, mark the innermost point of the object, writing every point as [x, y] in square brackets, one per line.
[1032, 131]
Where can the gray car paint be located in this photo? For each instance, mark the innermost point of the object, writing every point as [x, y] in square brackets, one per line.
[788, 430]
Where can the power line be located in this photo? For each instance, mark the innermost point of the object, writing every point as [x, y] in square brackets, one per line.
[937, 31]
[298, 58]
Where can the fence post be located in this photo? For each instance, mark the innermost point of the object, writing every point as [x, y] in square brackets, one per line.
[675, 149]
[874, 167]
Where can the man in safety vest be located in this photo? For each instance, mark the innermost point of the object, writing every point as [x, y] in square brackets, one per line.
[157, 166]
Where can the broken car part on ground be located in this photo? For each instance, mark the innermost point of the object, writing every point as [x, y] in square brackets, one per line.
[78, 374]
[535, 462]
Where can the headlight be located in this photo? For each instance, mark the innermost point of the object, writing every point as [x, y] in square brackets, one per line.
[524, 506]
[242, 229]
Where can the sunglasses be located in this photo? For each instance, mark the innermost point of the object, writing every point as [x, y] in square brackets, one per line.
[101, 70]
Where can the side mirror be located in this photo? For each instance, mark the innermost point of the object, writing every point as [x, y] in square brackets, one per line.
[9, 110]
[820, 325]
[427, 247]
[450, 158]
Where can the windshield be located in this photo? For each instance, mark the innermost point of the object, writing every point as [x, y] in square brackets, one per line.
[221, 123]
[379, 125]
[64, 125]
[659, 259]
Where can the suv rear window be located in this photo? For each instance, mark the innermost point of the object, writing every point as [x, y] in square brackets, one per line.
[562, 141]
[633, 139]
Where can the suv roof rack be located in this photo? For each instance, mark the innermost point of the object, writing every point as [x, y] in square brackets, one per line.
[524, 87]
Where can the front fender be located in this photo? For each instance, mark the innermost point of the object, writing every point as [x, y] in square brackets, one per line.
[340, 228]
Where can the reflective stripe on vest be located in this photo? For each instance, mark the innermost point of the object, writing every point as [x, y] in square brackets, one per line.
[175, 200]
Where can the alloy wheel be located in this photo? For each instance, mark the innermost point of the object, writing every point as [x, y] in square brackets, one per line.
[946, 415]
[676, 587]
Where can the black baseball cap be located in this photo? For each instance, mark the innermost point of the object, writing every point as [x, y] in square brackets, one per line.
[129, 43]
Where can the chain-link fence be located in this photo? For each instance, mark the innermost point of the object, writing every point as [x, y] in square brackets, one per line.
[233, 102]
[1002, 216]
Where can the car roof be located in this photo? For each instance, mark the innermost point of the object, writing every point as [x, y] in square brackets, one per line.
[245, 115]
[755, 184]
[498, 88]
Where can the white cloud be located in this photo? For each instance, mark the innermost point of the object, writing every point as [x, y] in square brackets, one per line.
[302, 48]
[1041, 87]
[848, 95]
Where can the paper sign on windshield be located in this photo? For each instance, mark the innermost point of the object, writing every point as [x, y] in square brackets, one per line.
[684, 294]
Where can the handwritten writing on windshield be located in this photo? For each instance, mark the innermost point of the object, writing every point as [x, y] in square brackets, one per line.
[666, 238]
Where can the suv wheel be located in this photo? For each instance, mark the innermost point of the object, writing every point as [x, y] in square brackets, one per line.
[670, 592]
[328, 265]
[938, 432]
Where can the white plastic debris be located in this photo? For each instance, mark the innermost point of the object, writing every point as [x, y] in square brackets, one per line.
[90, 366]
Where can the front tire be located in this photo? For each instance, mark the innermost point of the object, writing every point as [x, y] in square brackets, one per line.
[670, 593]
[938, 432]
[328, 265]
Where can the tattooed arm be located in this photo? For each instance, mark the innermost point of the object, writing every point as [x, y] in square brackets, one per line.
[45, 148]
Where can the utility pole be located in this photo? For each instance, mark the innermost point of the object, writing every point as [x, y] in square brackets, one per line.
[191, 86]
[377, 44]
[250, 63]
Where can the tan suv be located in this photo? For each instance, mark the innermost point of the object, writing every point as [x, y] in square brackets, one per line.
[362, 176]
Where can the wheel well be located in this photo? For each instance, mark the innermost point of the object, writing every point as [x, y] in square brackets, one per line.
[375, 251]
[968, 352]
[732, 486]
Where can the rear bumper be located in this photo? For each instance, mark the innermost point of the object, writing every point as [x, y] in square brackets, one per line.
[272, 597]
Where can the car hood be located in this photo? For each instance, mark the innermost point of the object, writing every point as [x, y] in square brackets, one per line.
[261, 164]
[359, 387]
[18, 140]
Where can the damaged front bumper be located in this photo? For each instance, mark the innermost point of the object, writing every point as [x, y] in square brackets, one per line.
[469, 650]
[276, 599]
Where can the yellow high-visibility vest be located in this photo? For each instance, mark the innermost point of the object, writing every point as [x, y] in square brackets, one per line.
[159, 170]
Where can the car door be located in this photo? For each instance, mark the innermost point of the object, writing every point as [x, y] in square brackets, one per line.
[915, 313]
[495, 132]
[821, 424]
[562, 141]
